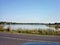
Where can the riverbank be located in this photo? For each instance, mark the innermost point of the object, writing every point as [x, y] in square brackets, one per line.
[33, 32]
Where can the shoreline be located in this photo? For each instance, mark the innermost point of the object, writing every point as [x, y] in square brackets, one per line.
[29, 34]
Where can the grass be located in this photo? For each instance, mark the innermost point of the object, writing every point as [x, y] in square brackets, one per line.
[37, 32]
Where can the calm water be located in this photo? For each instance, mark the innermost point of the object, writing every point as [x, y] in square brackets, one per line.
[27, 27]
[41, 43]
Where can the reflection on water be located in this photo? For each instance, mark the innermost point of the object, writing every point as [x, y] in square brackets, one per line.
[28, 27]
[41, 43]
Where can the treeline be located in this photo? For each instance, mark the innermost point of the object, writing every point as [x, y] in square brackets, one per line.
[30, 23]
[22, 23]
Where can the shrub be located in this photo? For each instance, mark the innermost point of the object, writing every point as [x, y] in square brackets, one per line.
[1, 28]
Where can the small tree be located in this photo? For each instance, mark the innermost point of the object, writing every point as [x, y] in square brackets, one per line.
[1, 27]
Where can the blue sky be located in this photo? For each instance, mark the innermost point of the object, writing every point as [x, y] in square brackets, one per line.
[35, 11]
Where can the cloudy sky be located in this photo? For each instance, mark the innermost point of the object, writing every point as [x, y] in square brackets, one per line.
[35, 11]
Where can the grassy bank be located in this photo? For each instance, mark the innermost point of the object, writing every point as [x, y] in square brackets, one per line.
[34, 31]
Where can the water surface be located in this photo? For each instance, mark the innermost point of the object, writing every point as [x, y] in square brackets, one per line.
[41, 43]
[28, 27]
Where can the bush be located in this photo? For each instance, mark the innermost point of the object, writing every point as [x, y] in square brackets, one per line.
[1, 28]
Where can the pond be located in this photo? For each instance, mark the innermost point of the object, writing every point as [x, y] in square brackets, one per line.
[28, 27]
